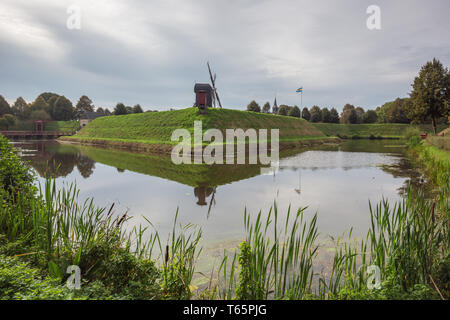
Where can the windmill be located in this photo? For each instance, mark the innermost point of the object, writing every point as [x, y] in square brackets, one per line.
[213, 82]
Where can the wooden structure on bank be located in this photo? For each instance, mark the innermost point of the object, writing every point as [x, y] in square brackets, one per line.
[38, 133]
[206, 95]
[203, 96]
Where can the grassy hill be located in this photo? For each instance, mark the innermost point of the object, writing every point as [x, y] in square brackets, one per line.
[381, 130]
[157, 127]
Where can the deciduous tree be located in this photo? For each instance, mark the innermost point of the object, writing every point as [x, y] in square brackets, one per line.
[253, 106]
[266, 107]
[84, 105]
[305, 114]
[431, 93]
[4, 106]
[120, 109]
[334, 116]
[316, 114]
[294, 112]
[63, 109]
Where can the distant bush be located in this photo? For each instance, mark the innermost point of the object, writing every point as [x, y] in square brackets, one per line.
[283, 110]
[294, 112]
[411, 131]
[253, 106]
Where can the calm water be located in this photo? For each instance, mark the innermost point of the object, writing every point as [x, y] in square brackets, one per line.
[337, 181]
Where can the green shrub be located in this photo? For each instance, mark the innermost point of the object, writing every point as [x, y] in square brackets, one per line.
[19, 281]
[15, 176]
[411, 132]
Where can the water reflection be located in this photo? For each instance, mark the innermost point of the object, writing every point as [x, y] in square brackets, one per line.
[335, 180]
[50, 159]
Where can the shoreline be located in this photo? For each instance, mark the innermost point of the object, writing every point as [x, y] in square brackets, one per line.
[166, 149]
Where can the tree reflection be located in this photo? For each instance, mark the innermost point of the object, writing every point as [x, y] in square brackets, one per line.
[49, 161]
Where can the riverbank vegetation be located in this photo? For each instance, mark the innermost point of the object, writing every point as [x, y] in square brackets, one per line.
[372, 131]
[45, 230]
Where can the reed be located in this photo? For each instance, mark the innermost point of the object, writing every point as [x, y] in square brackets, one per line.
[275, 261]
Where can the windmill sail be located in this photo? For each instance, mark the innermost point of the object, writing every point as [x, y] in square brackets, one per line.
[213, 82]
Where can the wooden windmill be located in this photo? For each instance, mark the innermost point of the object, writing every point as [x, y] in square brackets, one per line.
[215, 96]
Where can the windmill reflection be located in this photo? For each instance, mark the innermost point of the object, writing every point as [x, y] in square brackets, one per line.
[202, 192]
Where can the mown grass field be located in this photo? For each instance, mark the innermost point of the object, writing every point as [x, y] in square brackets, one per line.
[157, 127]
[376, 130]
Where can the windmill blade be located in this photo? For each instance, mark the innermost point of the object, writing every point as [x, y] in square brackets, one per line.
[213, 82]
[218, 100]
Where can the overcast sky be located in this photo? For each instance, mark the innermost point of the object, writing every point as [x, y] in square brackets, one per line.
[152, 52]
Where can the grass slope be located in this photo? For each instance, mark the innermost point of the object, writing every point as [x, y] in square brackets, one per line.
[383, 130]
[157, 127]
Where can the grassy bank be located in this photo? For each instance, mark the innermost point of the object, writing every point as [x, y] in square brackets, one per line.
[369, 131]
[152, 129]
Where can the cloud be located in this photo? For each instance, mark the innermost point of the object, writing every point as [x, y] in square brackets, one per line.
[152, 53]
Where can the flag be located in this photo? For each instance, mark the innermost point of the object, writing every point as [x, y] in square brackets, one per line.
[299, 90]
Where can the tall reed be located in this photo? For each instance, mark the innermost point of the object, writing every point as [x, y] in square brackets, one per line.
[275, 261]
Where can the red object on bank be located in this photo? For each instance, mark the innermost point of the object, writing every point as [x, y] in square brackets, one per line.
[423, 135]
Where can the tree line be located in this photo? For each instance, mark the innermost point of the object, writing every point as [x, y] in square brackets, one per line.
[427, 102]
[52, 106]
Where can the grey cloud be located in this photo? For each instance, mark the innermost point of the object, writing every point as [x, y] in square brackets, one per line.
[152, 52]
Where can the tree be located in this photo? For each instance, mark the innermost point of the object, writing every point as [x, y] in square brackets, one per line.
[283, 110]
[84, 105]
[431, 93]
[39, 115]
[107, 112]
[348, 114]
[39, 104]
[100, 110]
[370, 116]
[325, 115]
[20, 108]
[120, 109]
[63, 109]
[305, 114]
[51, 105]
[266, 107]
[316, 114]
[7, 121]
[137, 109]
[4, 106]
[334, 116]
[398, 111]
[359, 114]
[253, 106]
[382, 111]
[294, 112]
[48, 95]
